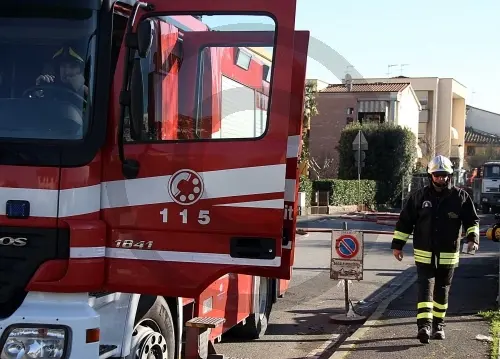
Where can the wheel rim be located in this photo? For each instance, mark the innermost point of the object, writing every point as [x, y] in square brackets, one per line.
[148, 342]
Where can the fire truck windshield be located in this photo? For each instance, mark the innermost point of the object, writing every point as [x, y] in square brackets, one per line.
[47, 59]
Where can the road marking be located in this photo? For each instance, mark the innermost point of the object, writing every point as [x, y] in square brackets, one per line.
[318, 352]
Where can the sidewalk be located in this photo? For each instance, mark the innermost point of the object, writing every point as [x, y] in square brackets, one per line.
[393, 334]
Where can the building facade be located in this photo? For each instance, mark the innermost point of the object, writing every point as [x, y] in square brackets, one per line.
[482, 120]
[480, 146]
[340, 104]
[442, 119]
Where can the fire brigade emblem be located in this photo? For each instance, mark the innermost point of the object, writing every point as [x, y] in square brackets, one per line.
[427, 204]
[185, 187]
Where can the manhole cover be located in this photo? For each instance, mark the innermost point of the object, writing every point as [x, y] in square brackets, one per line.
[398, 313]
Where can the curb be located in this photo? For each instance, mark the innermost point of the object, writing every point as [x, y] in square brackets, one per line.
[344, 350]
[330, 230]
[368, 231]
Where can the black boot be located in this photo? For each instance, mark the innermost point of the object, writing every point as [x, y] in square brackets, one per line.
[438, 331]
[424, 334]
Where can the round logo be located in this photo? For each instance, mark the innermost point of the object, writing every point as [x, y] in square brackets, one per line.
[185, 187]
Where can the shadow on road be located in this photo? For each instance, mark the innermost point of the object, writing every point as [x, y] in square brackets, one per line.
[452, 318]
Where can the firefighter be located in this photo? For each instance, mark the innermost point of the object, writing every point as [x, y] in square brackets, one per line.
[71, 71]
[435, 214]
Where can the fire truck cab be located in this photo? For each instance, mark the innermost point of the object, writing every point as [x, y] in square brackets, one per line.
[148, 172]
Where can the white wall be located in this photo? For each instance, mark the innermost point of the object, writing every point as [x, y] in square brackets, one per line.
[483, 120]
[408, 111]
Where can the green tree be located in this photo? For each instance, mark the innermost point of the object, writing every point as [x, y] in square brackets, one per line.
[390, 158]
[489, 153]
[310, 110]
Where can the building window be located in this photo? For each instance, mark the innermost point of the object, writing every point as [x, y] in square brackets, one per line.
[350, 110]
[349, 120]
[471, 150]
[371, 117]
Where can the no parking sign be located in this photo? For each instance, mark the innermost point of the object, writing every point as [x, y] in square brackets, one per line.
[347, 255]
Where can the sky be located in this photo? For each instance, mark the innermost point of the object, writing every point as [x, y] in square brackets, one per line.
[435, 38]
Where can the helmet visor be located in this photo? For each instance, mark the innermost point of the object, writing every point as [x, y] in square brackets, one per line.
[440, 174]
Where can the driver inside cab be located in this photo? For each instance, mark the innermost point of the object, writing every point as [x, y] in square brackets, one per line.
[71, 72]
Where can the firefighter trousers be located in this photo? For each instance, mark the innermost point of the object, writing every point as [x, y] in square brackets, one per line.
[433, 288]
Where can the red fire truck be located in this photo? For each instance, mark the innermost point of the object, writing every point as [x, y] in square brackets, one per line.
[148, 174]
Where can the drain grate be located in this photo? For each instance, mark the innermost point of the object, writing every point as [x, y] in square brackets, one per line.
[398, 313]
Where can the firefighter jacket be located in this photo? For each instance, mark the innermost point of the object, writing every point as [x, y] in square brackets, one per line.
[436, 219]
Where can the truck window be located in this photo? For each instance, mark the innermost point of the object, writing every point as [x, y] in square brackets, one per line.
[228, 97]
[491, 171]
[47, 72]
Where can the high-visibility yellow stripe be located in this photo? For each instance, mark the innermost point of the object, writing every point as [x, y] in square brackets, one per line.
[424, 316]
[75, 55]
[71, 52]
[440, 306]
[401, 235]
[439, 314]
[473, 229]
[449, 261]
[58, 52]
[445, 255]
[422, 253]
[424, 260]
[424, 305]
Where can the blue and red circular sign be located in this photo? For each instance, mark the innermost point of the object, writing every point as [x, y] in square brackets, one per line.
[347, 246]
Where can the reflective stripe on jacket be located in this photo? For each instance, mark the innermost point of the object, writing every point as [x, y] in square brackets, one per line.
[435, 221]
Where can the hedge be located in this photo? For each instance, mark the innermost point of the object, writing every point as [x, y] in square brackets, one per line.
[389, 160]
[345, 192]
[306, 185]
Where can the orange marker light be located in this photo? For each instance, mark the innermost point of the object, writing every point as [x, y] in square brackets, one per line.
[93, 335]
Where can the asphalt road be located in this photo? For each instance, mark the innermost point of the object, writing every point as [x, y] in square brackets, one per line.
[299, 325]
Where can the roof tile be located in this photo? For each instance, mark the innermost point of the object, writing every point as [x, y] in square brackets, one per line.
[368, 87]
[480, 137]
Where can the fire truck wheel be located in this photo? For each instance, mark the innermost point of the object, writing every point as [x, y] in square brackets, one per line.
[256, 323]
[154, 334]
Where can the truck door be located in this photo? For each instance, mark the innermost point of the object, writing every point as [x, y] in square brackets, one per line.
[209, 195]
[295, 128]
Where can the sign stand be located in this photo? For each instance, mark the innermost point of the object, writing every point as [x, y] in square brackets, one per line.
[347, 264]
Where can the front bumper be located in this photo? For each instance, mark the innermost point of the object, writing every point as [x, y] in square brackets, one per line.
[491, 199]
[66, 315]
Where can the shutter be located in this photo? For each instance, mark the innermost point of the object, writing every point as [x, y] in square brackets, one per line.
[238, 110]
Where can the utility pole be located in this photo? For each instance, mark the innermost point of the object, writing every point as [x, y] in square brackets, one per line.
[360, 145]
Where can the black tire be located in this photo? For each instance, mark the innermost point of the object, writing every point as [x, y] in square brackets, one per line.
[485, 208]
[256, 323]
[157, 316]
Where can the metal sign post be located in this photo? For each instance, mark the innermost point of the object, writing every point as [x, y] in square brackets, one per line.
[360, 145]
[347, 252]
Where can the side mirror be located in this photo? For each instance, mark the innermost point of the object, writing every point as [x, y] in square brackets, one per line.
[141, 40]
[136, 100]
[144, 37]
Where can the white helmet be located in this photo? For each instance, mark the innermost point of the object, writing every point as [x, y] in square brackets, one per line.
[440, 164]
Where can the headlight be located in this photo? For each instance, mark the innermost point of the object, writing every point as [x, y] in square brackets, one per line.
[34, 343]
[484, 199]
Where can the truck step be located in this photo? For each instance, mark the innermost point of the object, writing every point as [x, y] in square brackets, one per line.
[99, 294]
[205, 322]
[107, 351]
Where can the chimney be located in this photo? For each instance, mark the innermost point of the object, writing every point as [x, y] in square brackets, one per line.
[348, 82]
